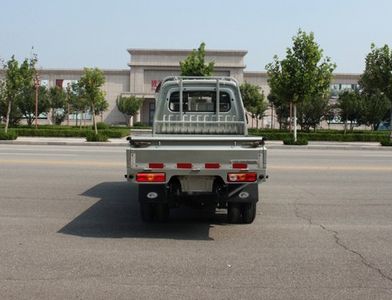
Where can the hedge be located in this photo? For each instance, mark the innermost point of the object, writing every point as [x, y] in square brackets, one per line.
[386, 142]
[324, 136]
[110, 133]
[92, 137]
[10, 135]
[300, 141]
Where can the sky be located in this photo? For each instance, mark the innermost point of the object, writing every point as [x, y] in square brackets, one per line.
[86, 33]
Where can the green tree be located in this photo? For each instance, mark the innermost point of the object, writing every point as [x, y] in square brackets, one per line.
[2, 100]
[13, 80]
[281, 110]
[129, 106]
[68, 100]
[349, 105]
[90, 87]
[57, 104]
[101, 106]
[26, 103]
[377, 77]
[194, 64]
[330, 113]
[311, 111]
[26, 98]
[302, 74]
[76, 101]
[374, 108]
[254, 100]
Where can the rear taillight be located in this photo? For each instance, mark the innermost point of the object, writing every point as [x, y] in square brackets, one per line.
[241, 177]
[150, 177]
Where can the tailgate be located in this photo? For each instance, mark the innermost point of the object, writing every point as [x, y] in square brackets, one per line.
[192, 159]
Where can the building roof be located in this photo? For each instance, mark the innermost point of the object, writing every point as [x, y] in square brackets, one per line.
[142, 51]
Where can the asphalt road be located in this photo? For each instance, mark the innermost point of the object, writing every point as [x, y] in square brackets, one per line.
[70, 229]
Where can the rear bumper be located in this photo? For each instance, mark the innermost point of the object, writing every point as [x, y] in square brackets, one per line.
[236, 193]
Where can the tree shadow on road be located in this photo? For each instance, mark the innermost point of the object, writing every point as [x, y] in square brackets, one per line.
[116, 215]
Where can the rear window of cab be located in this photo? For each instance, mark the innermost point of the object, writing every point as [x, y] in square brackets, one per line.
[199, 101]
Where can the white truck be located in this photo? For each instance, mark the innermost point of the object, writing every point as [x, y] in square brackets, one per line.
[199, 151]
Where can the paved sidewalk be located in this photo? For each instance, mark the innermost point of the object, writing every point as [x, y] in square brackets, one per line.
[22, 140]
[123, 142]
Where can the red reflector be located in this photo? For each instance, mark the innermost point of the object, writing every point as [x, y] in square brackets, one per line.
[212, 165]
[150, 177]
[184, 165]
[156, 165]
[241, 177]
[240, 166]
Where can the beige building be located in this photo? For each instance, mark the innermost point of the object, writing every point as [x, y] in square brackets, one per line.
[147, 67]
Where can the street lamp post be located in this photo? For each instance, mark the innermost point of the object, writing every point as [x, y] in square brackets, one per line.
[36, 84]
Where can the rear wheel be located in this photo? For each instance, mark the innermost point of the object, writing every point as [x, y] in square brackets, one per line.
[249, 212]
[234, 213]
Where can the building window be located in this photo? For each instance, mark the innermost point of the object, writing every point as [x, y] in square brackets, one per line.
[151, 111]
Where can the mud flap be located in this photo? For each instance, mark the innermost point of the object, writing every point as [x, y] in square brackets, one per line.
[244, 193]
[152, 193]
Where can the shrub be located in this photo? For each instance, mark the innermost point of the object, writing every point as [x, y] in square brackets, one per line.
[386, 142]
[324, 136]
[68, 132]
[51, 132]
[114, 134]
[102, 125]
[139, 124]
[10, 135]
[92, 137]
[300, 141]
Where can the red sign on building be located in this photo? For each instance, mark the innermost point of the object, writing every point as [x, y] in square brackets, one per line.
[154, 84]
[59, 83]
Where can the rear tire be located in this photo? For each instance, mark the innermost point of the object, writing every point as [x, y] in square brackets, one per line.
[234, 213]
[249, 212]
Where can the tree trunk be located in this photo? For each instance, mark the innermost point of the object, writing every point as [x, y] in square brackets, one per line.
[94, 120]
[291, 116]
[67, 114]
[390, 125]
[345, 125]
[7, 120]
[295, 122]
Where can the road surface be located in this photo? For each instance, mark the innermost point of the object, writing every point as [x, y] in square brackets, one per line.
[70, 229]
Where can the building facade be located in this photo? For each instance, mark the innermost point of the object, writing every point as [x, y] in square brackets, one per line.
[147, 67]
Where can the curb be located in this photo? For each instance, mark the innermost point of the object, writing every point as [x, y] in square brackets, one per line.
[107, 144]
[271, 146]
[364, 148]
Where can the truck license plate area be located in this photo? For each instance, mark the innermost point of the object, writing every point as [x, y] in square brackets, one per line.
[196, 183]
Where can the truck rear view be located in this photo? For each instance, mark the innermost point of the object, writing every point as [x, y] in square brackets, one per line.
[199, 152]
